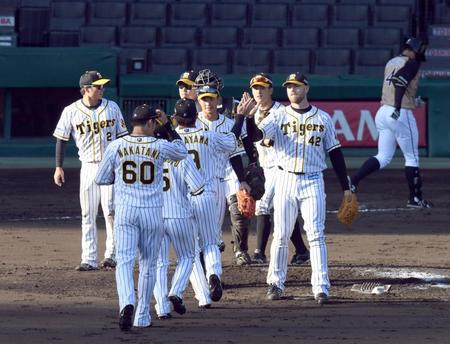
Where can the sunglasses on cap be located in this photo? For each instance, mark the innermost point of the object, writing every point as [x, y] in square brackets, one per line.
[98, 87]
[260, 80]
[183, 85]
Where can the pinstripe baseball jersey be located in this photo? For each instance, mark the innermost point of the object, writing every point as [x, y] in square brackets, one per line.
[300, 139]
[223, 125]
[92, 130]
[205, 148]
[180, 178]
[266, 155]
[135, 165]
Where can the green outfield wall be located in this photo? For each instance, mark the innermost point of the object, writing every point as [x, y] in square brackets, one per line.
[33, 69]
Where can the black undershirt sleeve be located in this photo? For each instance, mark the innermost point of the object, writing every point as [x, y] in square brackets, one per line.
[253, 132]
[171, 133]
[237, 127]
[338, 162]
[250, 149]
[402, 79]
[59, 152]
[238, 167]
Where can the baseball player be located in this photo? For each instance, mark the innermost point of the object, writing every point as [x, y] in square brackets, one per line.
[94, 122]
[204, 147]
[262, 88]
[302, 134]
[231, 170]
[134, 164]
[186, 85]
[396, 123]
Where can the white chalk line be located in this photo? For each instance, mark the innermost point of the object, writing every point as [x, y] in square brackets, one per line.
[63, 218]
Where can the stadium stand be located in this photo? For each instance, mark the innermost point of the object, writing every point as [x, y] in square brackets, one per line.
[288, 60]
[148, 14]
[215, 59]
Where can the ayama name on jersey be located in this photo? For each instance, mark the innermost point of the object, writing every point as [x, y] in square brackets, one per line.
[301, 129]
[138, 150]
[195, 139]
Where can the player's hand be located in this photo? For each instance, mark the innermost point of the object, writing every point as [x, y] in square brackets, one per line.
[396, 114]
[245, 186]
[58, 177]
[162, 117]
[247, 105]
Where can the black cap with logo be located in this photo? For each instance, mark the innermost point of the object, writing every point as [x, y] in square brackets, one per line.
[143, 113]
[185, 108]
[187, 78]
[92, 77]
[296, 79]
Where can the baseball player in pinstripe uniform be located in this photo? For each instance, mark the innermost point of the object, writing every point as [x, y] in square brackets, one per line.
[181, 178]
[261, 86]
[93, 122]
[302, 134]
[205, 146]
[134, 164]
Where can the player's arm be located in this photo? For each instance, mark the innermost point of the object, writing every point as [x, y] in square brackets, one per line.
[105, 173]
[121, 127]
[62, 134]
[169, 130]
[193, 177]
[402, 78]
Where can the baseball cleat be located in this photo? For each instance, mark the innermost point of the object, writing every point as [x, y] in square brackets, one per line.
[222, 246]
[274, 293]
[207, 306]
[178, 305]
[165, 316]
[299, 259]
[243, 258]
[259, 258]
[215, 288]
[108, 263]
[321, 298]
[126, 315]
[419, 203]
[85, 267]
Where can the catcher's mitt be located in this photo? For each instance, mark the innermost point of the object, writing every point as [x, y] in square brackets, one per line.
[254, 176]
[348, 211]
[246, 203]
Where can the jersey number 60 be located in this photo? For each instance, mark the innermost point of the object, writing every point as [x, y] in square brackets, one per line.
[146, 172]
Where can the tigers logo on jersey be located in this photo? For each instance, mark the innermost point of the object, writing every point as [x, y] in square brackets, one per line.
[301, 129]
[82, 128]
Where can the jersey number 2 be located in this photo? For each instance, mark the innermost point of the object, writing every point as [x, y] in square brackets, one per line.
[146, 172]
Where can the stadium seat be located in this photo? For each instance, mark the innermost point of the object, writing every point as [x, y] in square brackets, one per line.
[267, 37]
[332, 62]
[35, 3]
[189, 14]
[222, 16]
[299, 37]
[67, 16]
[32, 26]
[358, 2]
[98, 35]
[341, 37]
[292, 60]
[138, 37]
[172, 37]
[350, 15]
[108, 13]
[378, 37]
[371, 62]
[310, 15]
[397, 2]
[133, 61]
[63, 38]
[217, 60]
[328, 2]
[148, 14]
[166, 60]
[393, 16]
[223, 37]
[251, 61]
[269, 15]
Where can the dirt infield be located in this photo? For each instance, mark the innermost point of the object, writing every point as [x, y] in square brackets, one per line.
[43, 300]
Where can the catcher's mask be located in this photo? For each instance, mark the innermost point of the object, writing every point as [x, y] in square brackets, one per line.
[208, 78]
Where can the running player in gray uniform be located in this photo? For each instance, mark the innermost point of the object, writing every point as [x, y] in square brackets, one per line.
[302, 134]
[94, 122]
[396, 123]
[134, 164]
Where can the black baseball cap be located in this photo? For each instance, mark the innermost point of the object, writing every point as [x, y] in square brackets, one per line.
[92, 77]
[207, 91]
[185, 108]
[187, 78]
[143, 113]
[297, 79]
[261, 79]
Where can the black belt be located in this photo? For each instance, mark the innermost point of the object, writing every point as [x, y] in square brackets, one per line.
[296, 173]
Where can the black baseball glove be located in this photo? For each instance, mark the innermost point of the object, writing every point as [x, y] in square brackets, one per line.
[254, 176]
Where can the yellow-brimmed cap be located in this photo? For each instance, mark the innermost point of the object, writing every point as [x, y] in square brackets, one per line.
[207, 91]
[187, 78]
[261, 79]
[92, 77]
[296, 79]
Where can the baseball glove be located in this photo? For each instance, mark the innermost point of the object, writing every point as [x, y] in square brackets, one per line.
[246, 203]
[348, 211]
[254, 176]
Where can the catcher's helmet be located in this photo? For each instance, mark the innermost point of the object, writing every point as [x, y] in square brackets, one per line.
[417, 46]
[206, 77]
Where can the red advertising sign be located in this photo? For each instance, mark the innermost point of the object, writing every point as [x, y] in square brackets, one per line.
[355, 122]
